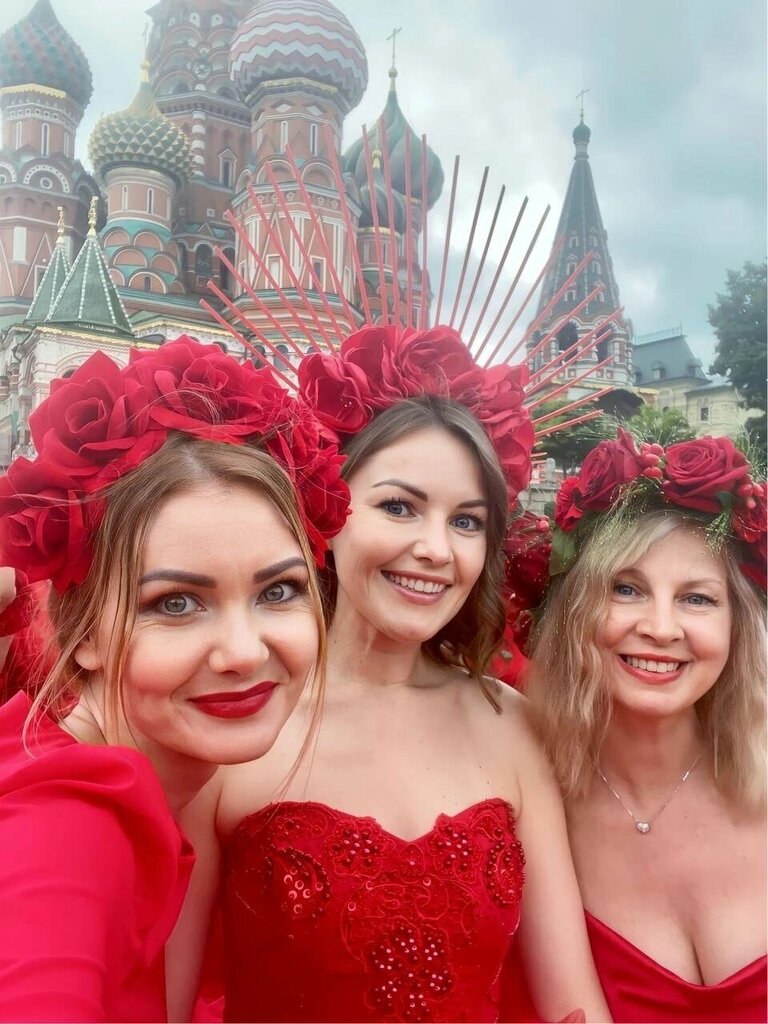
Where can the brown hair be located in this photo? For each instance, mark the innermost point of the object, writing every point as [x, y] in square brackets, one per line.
[472, 637]
[569, 671]
[131, 505]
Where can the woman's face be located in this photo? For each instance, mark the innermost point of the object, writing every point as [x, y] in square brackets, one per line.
[668, 629]
[415, 544]
[225, 634]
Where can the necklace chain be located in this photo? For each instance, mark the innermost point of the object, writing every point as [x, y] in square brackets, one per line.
[644, 827]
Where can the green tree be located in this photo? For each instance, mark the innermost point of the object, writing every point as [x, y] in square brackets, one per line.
[570, 446]
[738, 318]
[660, 427]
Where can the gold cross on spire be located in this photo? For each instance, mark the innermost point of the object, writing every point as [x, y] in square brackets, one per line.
[580, 97]
[393, 37]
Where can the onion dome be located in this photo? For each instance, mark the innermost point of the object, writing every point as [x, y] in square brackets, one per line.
[299, 39]
[380, 192]
[396, 128]
[581, 133]
[141, 136]
[37, 51]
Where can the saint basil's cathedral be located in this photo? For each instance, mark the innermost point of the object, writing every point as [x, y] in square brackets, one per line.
[226, 87]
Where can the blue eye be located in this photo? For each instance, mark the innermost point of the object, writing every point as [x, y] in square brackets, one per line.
[698, 600]
[396, 507]
[467, 523]
[624, 589]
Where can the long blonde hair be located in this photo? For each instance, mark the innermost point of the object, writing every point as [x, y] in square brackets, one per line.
[131, 505]
[569, 672]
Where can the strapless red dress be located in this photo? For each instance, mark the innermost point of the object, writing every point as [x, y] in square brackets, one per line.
[640, 991]
[329, 917]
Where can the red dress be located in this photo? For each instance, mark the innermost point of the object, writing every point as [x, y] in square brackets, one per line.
[93, 871]
[640, 991]
[329, 917]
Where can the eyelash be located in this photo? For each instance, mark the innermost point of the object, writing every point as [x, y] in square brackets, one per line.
[704, 598]
[477, 523]
[298, 586]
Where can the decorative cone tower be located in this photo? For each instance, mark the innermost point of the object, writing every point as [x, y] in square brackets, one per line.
[581, 230]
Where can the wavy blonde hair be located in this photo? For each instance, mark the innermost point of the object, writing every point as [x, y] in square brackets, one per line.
[569, 675]
[131, 506]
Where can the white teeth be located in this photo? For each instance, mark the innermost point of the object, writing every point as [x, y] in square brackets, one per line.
[652, 666]
[420, 586]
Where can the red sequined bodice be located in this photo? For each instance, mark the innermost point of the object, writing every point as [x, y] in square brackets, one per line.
[329, 917]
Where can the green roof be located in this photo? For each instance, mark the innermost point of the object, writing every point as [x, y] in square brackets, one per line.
[88, 299]
[50, 286]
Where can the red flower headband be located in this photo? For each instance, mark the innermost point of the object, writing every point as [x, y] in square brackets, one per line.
[379, 366]
[708, 475]
[104, 421]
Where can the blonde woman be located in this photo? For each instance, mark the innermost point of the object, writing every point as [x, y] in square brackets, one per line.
[649, 677]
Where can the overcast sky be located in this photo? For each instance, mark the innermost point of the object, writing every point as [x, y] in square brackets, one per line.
[676, 104]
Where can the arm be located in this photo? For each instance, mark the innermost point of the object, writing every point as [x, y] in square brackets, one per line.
[65, 884]
[185, 949]
[553, 935]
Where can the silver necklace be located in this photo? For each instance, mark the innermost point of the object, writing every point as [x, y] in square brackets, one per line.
[644, 827]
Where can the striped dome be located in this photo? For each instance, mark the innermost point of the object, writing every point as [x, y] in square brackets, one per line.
[299, 39]
[37, 51]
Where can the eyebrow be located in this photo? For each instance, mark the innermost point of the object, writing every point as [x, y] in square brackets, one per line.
[704, 580]
[195, 579]
[422, 495]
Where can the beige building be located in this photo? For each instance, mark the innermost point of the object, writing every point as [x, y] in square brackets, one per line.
[669, 376]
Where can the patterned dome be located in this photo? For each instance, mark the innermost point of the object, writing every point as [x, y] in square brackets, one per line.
[399, 211]
[396, 127]
[141, 136]
[37, 51]
[299, 39]
[581, 132]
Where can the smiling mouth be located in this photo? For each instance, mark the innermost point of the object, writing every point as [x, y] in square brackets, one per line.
[417, 585]
[648, 665]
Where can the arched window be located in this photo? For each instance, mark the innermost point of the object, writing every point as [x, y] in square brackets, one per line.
[203, 256]
[567, 336]
[150, 200]
[574, 242]
[226, 171]
[124, 198]
[224, 274]
[283, 135]
[313, 139]
[147, 283]
[45, 133]
[570, 296]
[571, 268]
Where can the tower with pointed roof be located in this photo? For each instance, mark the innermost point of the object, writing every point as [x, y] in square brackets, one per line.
[580, 232]
[45, 85]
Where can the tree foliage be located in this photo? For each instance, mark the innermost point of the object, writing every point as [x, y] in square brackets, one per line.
[664, 427]
[569, 447]
[738, 318]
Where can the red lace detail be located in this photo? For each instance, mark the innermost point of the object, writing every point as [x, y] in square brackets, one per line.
[329, 917]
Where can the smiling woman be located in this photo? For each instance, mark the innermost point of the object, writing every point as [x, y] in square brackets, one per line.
[649, 678]
[188, 622]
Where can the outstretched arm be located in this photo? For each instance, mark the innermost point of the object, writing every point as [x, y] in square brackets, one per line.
[553, 935]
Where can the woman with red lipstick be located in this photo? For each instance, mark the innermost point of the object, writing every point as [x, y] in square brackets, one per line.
[649, 676]
[167, 506]
[386, 880]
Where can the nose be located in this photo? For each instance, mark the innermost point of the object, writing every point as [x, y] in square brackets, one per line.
[239, 644]
[433, 543]
[660, 622]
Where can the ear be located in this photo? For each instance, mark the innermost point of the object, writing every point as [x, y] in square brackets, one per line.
[88, 655]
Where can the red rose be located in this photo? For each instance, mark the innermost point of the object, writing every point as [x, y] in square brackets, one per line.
[697, 471]
[336, 391]
[44, 523]
[91, 423]
[434, 362]
[567, 511]
[527, 548]
[370, 349]
[607, 468]
[750, 523]
[204, 392]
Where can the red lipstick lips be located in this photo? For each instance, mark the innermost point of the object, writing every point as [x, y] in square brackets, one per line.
[237, 704]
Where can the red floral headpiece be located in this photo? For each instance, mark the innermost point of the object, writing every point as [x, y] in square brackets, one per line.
[104, 421]
[379, 366]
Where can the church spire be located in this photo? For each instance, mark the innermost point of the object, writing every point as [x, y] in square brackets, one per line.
[581, 229]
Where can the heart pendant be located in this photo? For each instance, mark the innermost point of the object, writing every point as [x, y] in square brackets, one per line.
[642, 827]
